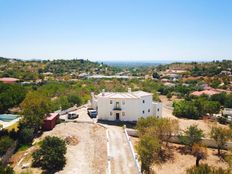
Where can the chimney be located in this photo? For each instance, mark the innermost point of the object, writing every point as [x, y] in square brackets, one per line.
[129, 90]
[92, 95]
[103, 92]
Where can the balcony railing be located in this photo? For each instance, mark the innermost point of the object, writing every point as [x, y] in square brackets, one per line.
[117, 108]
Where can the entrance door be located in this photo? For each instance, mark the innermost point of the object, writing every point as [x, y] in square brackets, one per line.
[117, 116]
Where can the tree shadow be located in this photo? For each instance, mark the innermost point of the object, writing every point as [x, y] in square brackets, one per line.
[183, 150]
[166, 155]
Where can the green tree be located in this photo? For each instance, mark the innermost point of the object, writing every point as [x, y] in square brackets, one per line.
[161, 128]
[185, 109]
[148, 150]
[10, 95]
[74, 99]
[219, 98]
[51, 155]
[221, 136]
[206, 169]
[228, 101]
[5, 143]
[215, 83]
[169, 95]
[34, 109]
[6, 169]
[200, 152]
[211, 107]
[26, 136]
[192, 135]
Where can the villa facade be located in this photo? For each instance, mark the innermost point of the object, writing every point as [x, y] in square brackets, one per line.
[125, 106]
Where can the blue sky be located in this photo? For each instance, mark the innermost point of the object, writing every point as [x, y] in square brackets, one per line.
[122, 30]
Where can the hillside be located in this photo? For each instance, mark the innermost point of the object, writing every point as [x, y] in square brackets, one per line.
[34, 70]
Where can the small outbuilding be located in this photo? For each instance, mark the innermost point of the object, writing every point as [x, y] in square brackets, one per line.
[8, 80]
[50, 121]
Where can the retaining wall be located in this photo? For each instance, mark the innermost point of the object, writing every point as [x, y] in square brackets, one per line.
[205, 141]
[135, 157]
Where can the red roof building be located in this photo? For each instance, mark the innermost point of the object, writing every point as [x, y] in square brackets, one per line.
[50, 121]
[8, 80]
[208, 92]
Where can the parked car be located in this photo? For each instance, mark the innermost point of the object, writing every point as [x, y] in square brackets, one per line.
[92, 113]
[72, 115]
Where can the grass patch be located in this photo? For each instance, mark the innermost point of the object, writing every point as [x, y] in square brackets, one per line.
[13, 126]
[39, 143]
[24, 147]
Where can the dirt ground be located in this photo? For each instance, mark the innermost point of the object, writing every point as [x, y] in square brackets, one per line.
[205, 125]
[88, 155]
[179, 162]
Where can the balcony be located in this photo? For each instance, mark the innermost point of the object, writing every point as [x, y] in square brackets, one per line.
[117, 108]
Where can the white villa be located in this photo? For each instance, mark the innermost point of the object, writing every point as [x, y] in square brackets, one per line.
[125, 106]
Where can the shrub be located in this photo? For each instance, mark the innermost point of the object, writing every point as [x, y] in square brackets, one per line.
[5, 144]
[206, 169]
[50, 156]
[26, 136]
[6, 169]
[185, 109]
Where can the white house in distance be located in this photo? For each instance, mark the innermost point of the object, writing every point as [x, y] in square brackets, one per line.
[125, 106]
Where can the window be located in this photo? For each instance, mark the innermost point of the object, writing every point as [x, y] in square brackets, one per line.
[148, 110]
[111, 101]
[158, 109]
[143, 112]
[123, 102]
[123, 113]
[143, 101]
[110, 113]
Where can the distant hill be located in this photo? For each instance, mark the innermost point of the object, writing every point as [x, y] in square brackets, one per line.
[34, 69]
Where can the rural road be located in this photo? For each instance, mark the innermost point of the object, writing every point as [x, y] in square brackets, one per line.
[121, 157]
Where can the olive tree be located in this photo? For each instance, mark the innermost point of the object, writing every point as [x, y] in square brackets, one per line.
[200, 152]
[148, 150]
[192, 135]
[221, 136]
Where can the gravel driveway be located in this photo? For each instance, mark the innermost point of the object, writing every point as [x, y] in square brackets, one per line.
[121, 157]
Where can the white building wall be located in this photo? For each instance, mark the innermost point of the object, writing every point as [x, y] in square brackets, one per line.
[131, 108]
[157, 109]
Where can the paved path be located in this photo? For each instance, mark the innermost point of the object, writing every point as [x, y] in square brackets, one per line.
[121, 158]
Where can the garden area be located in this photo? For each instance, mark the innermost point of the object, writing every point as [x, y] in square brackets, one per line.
[187, 153]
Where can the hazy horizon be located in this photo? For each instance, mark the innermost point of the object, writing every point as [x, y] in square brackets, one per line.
[122, 61]
[133, 30]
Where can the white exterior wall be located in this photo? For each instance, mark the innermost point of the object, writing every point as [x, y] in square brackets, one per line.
[133, 108]
[157, 109]
[227, 111]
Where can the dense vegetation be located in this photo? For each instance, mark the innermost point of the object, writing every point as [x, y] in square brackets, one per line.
[33, 70]
[51, 155]
[77, 65]
[10, 96]
[195, 108]
[6, 169]
[211, 69]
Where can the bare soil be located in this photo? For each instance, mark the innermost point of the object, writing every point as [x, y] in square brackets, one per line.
[86, 149]
[179, 161]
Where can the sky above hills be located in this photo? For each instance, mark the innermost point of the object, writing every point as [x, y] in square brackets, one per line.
[119, 30]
